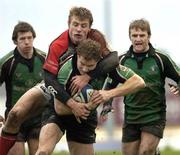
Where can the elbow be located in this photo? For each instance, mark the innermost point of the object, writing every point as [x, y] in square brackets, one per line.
[140, 83]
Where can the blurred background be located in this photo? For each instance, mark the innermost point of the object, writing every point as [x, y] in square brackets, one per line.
[112, 17]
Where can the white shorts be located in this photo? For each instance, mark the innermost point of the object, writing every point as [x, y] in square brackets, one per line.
[46, 92]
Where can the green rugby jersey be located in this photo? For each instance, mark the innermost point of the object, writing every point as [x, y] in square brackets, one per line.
[20, 74]
[149, 103]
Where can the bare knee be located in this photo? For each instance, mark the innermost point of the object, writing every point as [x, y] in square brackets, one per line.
[146, 150]
[14, 117]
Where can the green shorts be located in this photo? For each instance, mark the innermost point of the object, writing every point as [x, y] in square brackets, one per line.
[132, 132]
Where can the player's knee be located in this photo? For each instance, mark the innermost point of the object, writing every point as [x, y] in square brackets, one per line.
[14, 116]
[146, 150]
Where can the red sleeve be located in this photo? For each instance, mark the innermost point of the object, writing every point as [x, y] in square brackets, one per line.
[56, 50]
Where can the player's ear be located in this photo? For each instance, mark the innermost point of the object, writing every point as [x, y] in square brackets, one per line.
[15, 42]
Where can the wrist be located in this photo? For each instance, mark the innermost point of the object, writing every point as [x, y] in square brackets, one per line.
[70, 103]
[87, 77]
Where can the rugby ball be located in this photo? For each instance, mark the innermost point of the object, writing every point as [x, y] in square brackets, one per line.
[85, 94]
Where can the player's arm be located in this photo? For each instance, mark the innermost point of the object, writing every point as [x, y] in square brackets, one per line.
[131, 85]
[3, 72]
[172, 71]
[55, 87]
[133, 82]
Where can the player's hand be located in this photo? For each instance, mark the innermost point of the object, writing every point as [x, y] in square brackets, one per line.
[78, 82]
[100, 97]
[1, 120]
[174, 89]
[79, 109]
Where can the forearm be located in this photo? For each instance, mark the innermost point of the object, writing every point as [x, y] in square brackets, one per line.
[131, 85]
[55, 87]
[62, 109]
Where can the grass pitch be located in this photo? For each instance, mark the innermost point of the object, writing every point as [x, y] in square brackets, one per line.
[167, 151]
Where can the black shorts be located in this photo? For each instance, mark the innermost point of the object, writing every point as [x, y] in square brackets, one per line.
[83, 132]
[28, 133]
[132, 132]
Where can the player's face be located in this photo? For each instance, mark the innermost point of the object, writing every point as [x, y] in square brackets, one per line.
[84, 66]
[78, 29]
[24, 42]
[140, 40]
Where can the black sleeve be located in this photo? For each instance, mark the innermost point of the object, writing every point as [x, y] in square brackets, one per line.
[107, 64]
[171, 70]
[56, 88]
[5, 71]
[2, 75]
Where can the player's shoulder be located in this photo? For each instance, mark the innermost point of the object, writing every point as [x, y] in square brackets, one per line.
[8, 57]
[40, 52]
[161, 52]
[61, 41]
[163, 55]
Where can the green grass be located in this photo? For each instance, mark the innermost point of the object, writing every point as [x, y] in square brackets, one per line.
[167, 151]
[97, 153]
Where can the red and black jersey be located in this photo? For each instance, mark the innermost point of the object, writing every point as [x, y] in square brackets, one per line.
[57, 48]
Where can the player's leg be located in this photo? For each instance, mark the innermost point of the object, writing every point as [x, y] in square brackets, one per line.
[130, 139]
[130, 148]
[31, 102]
[148, 144]
[17, 149]
[33, 146]
[19, 146]
[150, 137]
[49, 136]
[80, 148]
[33, 139]
[6, 142]
[81, 136]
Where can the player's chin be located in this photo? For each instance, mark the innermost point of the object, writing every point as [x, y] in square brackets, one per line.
[78, 40]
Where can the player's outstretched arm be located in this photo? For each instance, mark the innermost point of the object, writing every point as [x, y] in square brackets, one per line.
[131, 85]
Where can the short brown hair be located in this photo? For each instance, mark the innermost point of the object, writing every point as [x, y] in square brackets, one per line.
[89, 49]
[82, 13]
[22, 27]
[142, 24]
[96, 35]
